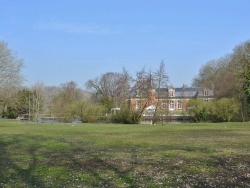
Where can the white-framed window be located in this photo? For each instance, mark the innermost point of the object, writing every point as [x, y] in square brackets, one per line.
[179, 104]
[138, 105]
[164, 104]
[205, 92]
[171, 93]
[171, 105]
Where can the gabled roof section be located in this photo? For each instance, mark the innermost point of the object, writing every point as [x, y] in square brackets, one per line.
[182, 92]
[187, 92]
[193, 92]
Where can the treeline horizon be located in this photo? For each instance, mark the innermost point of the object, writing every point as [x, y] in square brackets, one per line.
[228, 75]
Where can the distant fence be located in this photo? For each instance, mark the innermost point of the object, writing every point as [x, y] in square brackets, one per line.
[173, 119]
[49, 120]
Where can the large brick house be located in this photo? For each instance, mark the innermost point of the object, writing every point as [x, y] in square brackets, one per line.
[170, 100]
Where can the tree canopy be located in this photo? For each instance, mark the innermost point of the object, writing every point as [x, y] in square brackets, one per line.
[230, 77]
[10, 67]
[11, 76]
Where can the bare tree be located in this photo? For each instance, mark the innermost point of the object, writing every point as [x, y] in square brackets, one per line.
[146, 84]
[218, 74]
[50, 92]
[111, 86]
[36, 100]
[10, 74]
[69, 92]
[161, 81]
[143, 82]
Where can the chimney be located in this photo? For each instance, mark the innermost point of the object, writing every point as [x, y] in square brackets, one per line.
[183, 86]
[151, 95]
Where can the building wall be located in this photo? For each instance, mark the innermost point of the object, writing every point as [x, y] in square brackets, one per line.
[152, 100]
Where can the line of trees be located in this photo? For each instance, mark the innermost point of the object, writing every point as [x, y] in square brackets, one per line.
[67, 101]
[229, 76]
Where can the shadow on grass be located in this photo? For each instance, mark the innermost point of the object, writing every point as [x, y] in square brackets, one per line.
[107, 172]
[12, 174]
[27, 161]
[33, 165]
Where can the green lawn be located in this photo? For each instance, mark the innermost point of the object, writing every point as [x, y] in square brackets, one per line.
[100, 155]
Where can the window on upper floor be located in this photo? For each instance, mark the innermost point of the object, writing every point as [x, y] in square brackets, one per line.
[171, 93]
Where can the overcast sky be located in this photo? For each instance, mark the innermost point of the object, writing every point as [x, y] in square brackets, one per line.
[78, 40]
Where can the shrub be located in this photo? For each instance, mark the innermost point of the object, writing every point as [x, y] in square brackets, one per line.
[200, 110]
[126, 116]
[227, 108]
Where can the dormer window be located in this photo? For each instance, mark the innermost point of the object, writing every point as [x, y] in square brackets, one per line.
[171, 92]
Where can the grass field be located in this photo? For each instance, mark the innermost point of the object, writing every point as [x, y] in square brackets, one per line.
[99, 155]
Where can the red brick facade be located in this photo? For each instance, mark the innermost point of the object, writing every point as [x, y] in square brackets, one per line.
[170, 99]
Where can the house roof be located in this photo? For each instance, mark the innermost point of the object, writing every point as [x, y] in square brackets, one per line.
[183, 92]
